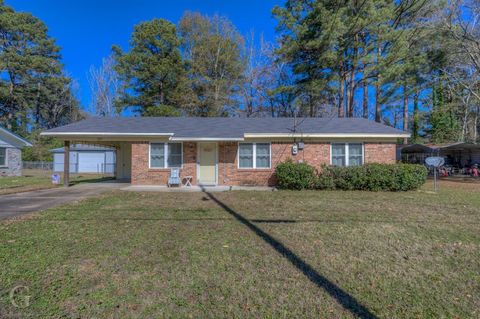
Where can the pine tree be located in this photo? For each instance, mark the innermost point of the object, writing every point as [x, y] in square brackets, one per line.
[152, 71]
[32, 78]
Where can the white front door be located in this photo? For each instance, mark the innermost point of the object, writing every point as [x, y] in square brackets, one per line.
[207, 164]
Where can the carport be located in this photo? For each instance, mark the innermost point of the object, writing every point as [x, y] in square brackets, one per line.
[86, 158]
[123, 151]
[458, 155]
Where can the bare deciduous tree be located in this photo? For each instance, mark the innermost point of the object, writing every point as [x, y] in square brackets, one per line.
[460, 22]
[104, 86]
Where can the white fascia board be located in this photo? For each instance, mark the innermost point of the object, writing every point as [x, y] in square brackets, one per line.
[207, 139]
[323, 135]
[102, 134]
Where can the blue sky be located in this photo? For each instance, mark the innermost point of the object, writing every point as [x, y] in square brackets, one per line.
[87, 29]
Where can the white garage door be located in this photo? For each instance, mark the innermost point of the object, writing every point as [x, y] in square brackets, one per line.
[91, 162]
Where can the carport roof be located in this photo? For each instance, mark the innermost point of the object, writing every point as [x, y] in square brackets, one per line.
[83, 147]
[430, 148]
[233, 128]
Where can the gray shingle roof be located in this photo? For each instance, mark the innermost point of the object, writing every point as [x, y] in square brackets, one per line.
[225, 127]
[20, 141]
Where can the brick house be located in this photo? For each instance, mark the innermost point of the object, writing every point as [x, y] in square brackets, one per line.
[230, 151]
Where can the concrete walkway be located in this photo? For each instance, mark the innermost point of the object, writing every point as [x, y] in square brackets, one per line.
[18, 204]
[159, 188]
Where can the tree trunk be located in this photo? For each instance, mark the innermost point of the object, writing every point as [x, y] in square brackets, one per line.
[347, 101]
[365, 99]
[405, 111]
[341, 93]
[312, 106]
[351, 93]
[162, 95]
[416, 119]
[378, 107]
[464, 135]
[378, 95]
[475, 125]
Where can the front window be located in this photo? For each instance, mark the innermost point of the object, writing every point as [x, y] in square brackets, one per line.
[157, 155]
[165, 155]
[254, 155]
[338, 155]
[174, 154]
[347, 154]
[245, 155]
[3, 156]
[355, 154]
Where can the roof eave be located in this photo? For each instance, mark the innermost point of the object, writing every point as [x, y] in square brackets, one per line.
[326, 135]
[16, 137]
[208, 139]
[103, 134]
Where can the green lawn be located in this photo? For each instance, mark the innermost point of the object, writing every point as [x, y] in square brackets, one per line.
[249, 254]
[35, 180]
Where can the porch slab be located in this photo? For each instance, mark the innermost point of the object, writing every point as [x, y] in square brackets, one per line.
[195, 188]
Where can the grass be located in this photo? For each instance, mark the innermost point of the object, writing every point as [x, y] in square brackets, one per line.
[36, 180]
[250, 254]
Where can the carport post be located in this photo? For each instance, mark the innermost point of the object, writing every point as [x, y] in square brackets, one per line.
[66, 164]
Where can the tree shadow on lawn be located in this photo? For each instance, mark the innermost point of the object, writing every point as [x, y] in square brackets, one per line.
[346, 300]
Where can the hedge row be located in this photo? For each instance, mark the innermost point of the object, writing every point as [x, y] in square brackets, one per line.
[369, 177]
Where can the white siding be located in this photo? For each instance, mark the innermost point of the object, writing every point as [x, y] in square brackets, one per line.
[58, 162]
[91, 162]
[86, 162]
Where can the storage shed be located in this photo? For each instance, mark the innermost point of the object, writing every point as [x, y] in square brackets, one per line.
[86, 158]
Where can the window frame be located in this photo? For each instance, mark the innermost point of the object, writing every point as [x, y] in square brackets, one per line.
[165, 157]
[254, 154]
[6, 157]
[347, 152]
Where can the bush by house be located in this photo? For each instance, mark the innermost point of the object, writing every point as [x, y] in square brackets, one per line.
[369, 177]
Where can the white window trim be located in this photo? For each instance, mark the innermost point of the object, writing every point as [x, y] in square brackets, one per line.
[165, 153]
[346, 152]
[6, 157]
[255, 156]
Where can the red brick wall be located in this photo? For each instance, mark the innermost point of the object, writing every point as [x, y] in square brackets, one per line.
[314, 153]
[143, 175]
[380, 153]
[229, 174]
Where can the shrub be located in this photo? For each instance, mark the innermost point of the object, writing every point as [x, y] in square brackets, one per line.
[325, 180]
[292, 175]
[373, 177]
[410, 176]
[369, 177]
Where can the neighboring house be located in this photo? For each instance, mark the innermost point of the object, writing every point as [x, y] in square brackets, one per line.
[11, 153]
[231, 151]
[86, 159]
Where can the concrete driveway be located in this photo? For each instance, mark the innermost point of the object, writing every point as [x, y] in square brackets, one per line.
[14, 205]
